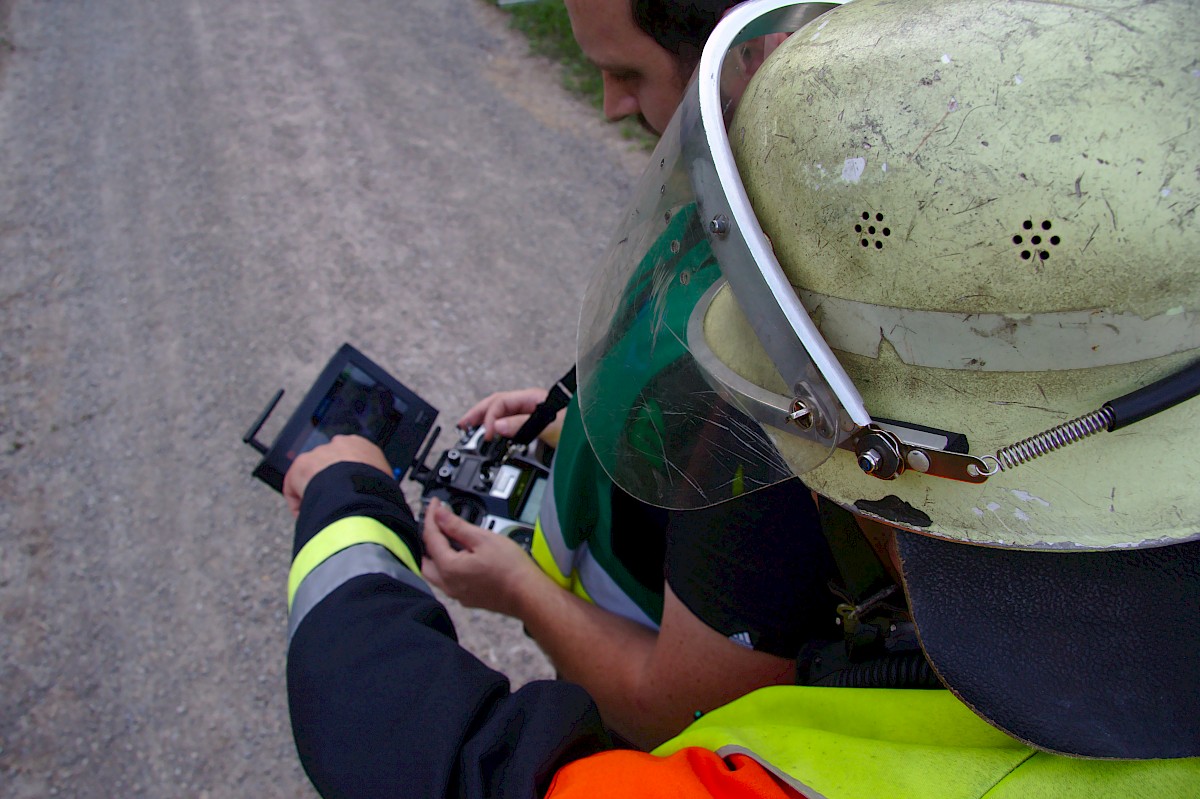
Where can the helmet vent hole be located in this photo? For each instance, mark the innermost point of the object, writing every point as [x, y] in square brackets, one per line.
[868, 234]
[1035, 245]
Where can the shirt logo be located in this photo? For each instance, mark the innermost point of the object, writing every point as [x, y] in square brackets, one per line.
[742, 639]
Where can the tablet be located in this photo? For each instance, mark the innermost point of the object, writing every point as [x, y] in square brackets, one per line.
[352, 396]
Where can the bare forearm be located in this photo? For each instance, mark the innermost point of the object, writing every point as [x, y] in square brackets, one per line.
[605, 653]
[648, 685]
[600, 650]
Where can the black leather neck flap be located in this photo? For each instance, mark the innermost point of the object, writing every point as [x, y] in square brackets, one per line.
[1093, 654]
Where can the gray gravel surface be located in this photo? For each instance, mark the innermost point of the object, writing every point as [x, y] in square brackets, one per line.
[199, 201]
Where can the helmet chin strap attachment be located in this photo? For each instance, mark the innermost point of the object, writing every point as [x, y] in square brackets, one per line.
[888, 449]
[1113, 415]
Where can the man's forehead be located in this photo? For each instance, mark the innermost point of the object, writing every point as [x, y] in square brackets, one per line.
[610, 38]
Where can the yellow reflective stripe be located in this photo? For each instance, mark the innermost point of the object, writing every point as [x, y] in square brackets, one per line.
[338, 536]
[578, 590]
[544, 558]
[546, 562]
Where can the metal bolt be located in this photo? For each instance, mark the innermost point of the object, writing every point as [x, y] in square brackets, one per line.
[869, 461]
[879, 455]
[719, 226]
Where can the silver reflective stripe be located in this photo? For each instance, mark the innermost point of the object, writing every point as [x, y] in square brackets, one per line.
[337, 569]
[605, 592]
[806, 790]
[564, 556]
[1034, 342]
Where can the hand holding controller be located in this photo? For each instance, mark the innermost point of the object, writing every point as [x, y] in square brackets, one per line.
[502, 414]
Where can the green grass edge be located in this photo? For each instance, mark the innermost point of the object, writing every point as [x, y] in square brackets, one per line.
[547, 28]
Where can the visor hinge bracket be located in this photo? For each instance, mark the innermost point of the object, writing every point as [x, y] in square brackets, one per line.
[882, 454]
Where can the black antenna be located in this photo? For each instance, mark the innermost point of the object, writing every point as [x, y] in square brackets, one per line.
[419, 469]
[250, 437]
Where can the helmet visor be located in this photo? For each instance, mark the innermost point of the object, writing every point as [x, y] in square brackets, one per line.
[660, 420]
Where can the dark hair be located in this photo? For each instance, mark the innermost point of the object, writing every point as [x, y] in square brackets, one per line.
[680, 26]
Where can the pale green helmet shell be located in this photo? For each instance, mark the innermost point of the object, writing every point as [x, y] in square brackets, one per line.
[1028, 173]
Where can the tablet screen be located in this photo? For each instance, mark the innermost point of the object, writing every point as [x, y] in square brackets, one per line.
[356, 405]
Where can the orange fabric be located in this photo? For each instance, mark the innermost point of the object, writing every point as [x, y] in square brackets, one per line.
[688, 774]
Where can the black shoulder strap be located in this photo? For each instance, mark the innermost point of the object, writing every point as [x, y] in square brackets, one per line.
[863, 576]
[879, 646]
[544, 414]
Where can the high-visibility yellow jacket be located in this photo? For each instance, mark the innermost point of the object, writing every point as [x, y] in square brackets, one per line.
[850, 743]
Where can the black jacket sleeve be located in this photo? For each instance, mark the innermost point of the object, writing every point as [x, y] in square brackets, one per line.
[383, 700]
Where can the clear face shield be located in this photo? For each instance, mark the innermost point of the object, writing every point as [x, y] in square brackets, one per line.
[657, 407]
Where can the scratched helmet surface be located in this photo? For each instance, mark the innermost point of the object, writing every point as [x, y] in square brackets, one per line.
[989, 210]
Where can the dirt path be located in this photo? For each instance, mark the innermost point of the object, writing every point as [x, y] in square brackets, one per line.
[199, 202]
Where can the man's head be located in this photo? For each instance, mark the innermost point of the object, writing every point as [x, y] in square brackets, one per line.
[646, 50]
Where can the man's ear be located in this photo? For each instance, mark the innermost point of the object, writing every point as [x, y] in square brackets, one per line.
[754, 52]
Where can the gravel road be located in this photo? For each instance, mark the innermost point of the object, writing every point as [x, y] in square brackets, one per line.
[199, 202]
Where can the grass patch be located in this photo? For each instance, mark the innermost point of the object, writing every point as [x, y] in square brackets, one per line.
[6, 43]
[548, 29]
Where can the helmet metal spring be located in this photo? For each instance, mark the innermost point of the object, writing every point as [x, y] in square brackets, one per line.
[1055, 438]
